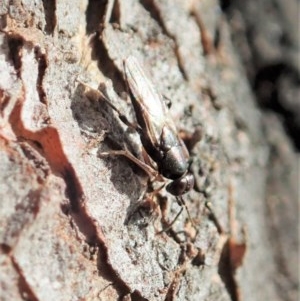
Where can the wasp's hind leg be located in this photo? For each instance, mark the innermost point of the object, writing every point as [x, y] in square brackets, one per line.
[152, 173]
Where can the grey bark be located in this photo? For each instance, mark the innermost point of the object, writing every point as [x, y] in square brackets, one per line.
[77, 226]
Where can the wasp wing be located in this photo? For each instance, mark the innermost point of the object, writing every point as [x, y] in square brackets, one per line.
[150, 109]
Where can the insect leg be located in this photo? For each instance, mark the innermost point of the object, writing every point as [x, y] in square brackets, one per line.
[182, 203]
[108, 11]
[172, 223]
[122, 117]
[101, 94]
[150, 171]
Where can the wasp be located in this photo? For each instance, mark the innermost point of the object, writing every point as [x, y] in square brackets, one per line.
[157, 132]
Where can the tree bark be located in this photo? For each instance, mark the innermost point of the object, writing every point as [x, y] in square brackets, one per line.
[79, 226]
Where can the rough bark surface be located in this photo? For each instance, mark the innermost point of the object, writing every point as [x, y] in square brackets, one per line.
[77, 226]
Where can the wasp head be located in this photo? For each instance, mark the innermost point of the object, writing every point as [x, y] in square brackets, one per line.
[182, 185]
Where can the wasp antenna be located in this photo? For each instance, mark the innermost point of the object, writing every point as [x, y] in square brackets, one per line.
[181, 202]
[213, 217]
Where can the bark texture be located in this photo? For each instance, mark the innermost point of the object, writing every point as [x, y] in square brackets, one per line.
[77, 226]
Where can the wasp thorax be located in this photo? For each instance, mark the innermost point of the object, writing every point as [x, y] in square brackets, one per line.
[174, 164]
